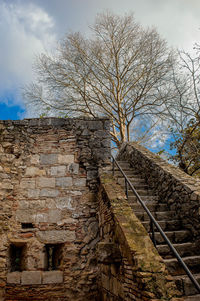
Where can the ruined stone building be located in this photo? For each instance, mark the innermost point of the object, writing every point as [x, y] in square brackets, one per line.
[67, 231]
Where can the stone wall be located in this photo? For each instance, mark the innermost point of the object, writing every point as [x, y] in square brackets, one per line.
[180, 191]
[49, 177]
[131, 268]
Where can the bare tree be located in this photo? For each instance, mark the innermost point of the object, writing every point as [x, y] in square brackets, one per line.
[121, 72]
[185, 103]
[184, 112]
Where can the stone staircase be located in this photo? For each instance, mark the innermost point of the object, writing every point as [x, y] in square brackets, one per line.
[179, 237]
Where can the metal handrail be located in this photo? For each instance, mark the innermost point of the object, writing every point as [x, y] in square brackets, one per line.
[154, 222]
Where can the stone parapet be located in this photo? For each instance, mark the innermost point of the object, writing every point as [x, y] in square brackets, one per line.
[92, 136]
[131, 268]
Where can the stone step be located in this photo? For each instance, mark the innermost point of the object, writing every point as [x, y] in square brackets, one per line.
[133, 199]
[129, 173]
[142, 192]
[185, 285]
[192, 298]
[179, 236]
[124, 166]
[138, 186]
[174, 268]
[159, 216]
[145, 192]
[184, 249]
[175, 237]
[136, 183]
[122, 162]
[171, 225]
[151, 205]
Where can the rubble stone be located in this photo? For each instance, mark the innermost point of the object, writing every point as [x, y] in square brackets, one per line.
[47, 201]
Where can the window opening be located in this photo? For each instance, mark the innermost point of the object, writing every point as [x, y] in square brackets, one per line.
[27, 225]
[17, 258]
[53, 256]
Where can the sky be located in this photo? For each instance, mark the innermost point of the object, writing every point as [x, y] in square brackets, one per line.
[28, 28]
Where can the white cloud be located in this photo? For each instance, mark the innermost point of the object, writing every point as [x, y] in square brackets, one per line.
[28, 27]
[25, 30]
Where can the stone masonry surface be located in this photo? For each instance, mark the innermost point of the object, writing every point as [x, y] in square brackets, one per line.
[49, 177]
[180, 191]
[77, 237]
[131, 268]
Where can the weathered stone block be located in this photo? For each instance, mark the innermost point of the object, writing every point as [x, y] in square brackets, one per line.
[64, 182]
[46, 182]
[48, 159]
[107, 126]
[108, 253]
[23, 204]
[38, 204]
[65, 159]
[27, 183]
[58, 170]
[33, 193]
[6, 185]
[74, 168]
[92, 174]
[65, 202]
[85, 132]
[105, 281]
[50, 203]
[5, 176]
[31, 277]
[116, 286]
[194, 196]
[30, 263]
[34, 171]
[80, 182]
[7, 158]
[97, 125]
[66, 220]
[54, 216]
[49, 192]
[35, 159]
[106, 143]
[56, 236]
[76, 192]
[52, 277]
[41, 261]
[40, 217]
[14, 277]
[24, 216]
[101, 134]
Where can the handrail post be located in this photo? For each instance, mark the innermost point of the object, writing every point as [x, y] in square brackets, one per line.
[126, 187]
[152, 232]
